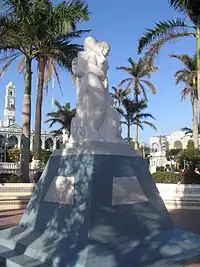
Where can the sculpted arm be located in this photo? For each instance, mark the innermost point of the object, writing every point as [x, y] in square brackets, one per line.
[96, 70]
[78, 67]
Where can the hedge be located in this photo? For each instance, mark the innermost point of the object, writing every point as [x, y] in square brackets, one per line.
[189, 177]
[9, 178]
[167, 177]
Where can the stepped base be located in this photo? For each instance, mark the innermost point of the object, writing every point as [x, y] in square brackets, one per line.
[171, 248]
[97, 205]
[12, 258]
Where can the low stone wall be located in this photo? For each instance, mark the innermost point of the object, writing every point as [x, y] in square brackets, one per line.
[176, 196]
[15, 195]
[180, 196]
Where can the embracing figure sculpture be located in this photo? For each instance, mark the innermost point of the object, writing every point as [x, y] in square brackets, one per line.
[96, 119]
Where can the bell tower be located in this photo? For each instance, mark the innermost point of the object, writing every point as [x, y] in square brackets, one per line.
[9, 108]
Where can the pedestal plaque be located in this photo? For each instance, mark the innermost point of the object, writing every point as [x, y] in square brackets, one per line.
[61, 190]
[127, 190]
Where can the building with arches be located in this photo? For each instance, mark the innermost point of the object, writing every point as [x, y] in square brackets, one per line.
[160, 144]
[10, 132]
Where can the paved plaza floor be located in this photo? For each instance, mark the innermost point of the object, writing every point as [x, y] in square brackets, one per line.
[188, 220]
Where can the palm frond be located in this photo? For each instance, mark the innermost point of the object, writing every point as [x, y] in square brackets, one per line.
[21, 65]
[150, 124]
[189, 62]
[67, 15]
[150, 85]
[129, 70]
[7, 65]
[125, 81]
[187, 130]
[187, 91]
[58, 79]
[142, 116]
[142, 88]
[181, 75]
[154, 48]
[133, 64]
[190, 8]
[164, 32]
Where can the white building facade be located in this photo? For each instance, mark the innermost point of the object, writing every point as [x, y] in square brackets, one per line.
[160, 144]
[10, 132]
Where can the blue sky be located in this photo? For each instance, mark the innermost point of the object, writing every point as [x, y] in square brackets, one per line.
[121, 23]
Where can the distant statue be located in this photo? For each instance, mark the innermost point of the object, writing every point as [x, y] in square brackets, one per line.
[65, 136]
[96, 119]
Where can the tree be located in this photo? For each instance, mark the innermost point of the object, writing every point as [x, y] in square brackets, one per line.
[190, 145]
[57, 50]
[188, 76]
[62, 116]
[190, 157]
[138, 72]
[173, 153]
[166, 31]
[119, 95]
[131, 113]
[21, 26]
[13, 155]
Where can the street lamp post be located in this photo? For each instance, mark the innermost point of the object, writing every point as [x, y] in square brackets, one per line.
[5, 146]
[1, 153]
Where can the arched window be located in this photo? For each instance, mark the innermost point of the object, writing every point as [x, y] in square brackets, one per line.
[178, 145]
[2, 140]
[13, 141]
[155, 147]
[49, 144]
[58, 144]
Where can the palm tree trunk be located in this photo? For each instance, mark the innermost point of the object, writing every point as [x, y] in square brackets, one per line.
[198, 68]
[26, 124]
[195, 124]
[136, 141]
[38, 113]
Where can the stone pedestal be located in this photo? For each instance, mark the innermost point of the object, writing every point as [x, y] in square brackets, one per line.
[97, 205]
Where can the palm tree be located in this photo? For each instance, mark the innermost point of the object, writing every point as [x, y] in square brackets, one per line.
[57, 50]
[188, 75]
[50, 48]
[119, 95]
[21, 25]
[166, 31]
[138, 73]
[62, 116]
[132, 114]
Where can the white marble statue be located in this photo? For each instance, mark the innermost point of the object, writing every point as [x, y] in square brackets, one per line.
[65, 136]
[96, 119]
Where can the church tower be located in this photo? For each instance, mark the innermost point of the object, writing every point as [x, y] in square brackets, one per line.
[9, 109]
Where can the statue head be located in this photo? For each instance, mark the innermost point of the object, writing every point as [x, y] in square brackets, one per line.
[104, 47]
[90, 43]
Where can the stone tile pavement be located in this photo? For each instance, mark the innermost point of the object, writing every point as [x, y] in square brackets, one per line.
[188, 220]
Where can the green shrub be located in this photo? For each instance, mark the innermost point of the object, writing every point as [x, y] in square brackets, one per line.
[167, 177]
[45, 154]
[160, 169]
[9, 178]
[13, 155]
[190, 157]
